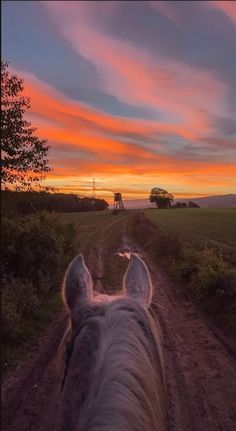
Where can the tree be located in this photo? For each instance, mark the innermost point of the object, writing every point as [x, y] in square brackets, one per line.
[161, 198]
[24, 156]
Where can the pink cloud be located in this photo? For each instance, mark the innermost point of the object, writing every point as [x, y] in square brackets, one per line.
[51, 108]
[228, 7]
[166, 9]
[134, 76]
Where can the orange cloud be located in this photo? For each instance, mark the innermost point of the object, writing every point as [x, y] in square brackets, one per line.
[51, 105]
[87, 142]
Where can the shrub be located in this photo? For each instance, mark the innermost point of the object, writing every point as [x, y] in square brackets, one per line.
[204, 270]
[36, 247]
[167, 246]
[189, 265]
[141, 228]
[35, 252]
[161, 244]
[213, 275]
[19, 302]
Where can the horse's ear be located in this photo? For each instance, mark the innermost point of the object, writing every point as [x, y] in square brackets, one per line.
[78, 286]
[137, 281]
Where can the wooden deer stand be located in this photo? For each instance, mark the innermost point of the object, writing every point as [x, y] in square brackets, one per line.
[118, 203]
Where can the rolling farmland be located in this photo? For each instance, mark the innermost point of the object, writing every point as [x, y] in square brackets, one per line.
[214, 228]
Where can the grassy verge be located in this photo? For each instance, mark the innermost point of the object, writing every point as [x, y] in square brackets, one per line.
[30, 330]
[213, 228]
[114, 265]
[206, 270]
[102, 230]
[87, 226]
[35, 252]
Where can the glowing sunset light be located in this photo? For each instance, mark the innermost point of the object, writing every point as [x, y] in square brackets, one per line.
[134, 94]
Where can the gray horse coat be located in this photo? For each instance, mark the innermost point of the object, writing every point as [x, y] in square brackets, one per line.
[114, 375]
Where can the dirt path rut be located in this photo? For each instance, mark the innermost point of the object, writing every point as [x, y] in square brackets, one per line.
[200, 369]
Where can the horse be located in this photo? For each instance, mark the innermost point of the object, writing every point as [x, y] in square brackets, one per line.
[113, 378]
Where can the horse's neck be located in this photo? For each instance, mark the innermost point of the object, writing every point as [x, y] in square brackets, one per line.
[125, 393]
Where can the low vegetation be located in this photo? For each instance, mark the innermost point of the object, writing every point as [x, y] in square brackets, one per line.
[36, 249]
[35, 252]
[185, 245]
[204, 227]
[32, 202]
[101, 232]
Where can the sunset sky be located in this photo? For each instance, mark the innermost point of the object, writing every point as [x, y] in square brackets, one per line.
[133, 94]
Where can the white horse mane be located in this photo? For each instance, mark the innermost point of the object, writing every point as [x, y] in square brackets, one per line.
[114, 379]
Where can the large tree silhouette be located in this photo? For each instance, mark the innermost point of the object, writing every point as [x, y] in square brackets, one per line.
[24, 155]
[161, 198]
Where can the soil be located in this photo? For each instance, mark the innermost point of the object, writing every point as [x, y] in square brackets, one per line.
[200, 368]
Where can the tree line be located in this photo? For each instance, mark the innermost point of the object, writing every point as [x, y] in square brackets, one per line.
[163, 199]
[28, 202]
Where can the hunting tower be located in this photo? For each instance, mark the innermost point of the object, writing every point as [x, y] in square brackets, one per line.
[118, 203]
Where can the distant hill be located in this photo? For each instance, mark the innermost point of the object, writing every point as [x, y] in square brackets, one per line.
[213, 201]
[205, 202]
[137, 203]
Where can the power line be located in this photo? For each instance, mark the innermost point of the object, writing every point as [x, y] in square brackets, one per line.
[93, 188]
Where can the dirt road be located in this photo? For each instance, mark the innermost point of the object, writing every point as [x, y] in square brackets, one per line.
[200, 368]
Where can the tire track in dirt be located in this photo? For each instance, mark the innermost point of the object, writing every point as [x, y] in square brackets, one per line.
[31, 394]
[96, 255]
[200, 366]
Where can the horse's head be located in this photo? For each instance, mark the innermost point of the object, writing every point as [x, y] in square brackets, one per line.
[113, 375]
[78, 290]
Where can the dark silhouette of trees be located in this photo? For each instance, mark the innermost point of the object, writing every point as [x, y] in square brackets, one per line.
[192, 204]
[161, 198]
[23, 203]
[180, 205]
[24, 156]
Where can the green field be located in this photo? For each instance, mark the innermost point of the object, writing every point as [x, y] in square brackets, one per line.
[200, 227]
[90, 225]
[86, 218]
[196, 248]
[204, 227]
[99, 236]
[87, 224]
